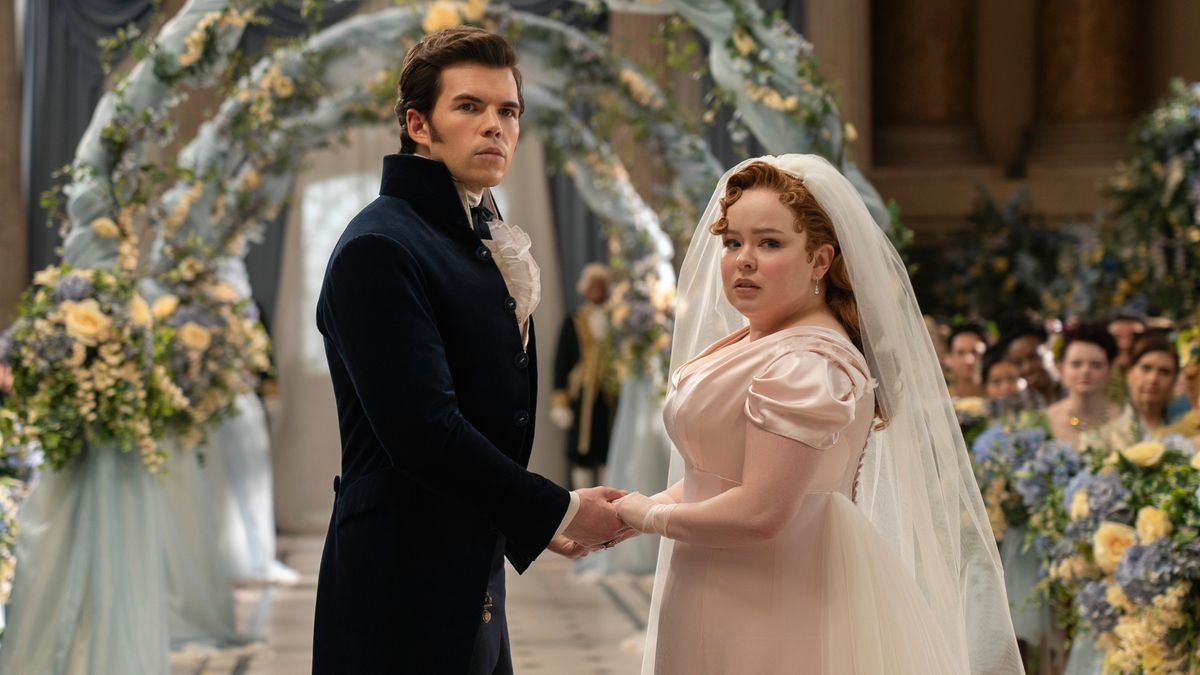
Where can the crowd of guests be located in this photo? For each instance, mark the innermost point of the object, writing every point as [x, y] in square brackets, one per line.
[1127, 380]
[1096, 386]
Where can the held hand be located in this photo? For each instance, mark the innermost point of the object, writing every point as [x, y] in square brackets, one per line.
[572, 550]
[596, 521]
[562, 417]
[645, 514]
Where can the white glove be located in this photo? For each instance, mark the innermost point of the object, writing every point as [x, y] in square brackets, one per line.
[562, 417]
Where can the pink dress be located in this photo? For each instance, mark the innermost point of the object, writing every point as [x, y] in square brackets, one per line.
[827, 594]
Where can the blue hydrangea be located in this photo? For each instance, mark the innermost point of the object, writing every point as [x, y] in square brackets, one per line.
[1108, 499]
[73, 288]
[193, 314]
[1094, 608]
[1053, 464]
[1145, 571]
[641, 317]
[982, 447]
[1080, 481]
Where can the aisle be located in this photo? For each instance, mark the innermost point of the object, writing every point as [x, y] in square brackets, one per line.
[558, 623]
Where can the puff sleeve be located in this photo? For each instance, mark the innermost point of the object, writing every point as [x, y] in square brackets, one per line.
[805, 396]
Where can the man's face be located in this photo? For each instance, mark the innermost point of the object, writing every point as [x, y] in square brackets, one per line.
[1124, 331]
[597, 291]
[965, 350]
[474, 124]
[1025, 353]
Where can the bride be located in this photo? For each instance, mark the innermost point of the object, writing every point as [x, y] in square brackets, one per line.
[827, 520]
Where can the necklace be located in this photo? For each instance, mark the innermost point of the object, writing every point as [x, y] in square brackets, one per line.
[1077, 421]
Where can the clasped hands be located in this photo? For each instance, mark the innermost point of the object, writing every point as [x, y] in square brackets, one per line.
[608, 516]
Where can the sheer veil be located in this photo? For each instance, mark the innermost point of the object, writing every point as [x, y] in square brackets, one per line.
[916, 486]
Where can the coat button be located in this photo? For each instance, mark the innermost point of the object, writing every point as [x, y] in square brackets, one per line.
[483, 254]
[521, 360]
[337, 483]
[510, 304]
[521, 418]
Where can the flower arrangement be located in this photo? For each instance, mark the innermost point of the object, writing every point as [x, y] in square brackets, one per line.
[210, 348]
[999, 454]
[82, 355]
[641, 309]
[1126, 549]
[1157, 195]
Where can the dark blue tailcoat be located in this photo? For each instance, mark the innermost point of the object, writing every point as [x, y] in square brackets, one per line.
[435, 396]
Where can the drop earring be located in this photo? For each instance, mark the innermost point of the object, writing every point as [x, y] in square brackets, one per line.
[816, 288]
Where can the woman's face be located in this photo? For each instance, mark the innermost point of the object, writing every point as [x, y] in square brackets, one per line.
[1085, 368]
[767, 273]
[1151, 381]
[1003, 380]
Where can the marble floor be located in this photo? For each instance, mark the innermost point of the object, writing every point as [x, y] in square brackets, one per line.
[559, 623]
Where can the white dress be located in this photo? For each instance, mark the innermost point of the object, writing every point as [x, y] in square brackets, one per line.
[827, 595]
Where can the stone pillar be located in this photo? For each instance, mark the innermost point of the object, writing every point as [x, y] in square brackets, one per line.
[1091, 79]
[840, 31]
[12, 219]
[923, 69]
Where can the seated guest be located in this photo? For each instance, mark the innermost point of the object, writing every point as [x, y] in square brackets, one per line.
[1087, 356]
[967, 344]
[1025, 345]
[1154, 365]
[1188, 424]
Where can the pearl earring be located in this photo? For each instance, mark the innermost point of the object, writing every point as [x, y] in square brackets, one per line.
[816, 288]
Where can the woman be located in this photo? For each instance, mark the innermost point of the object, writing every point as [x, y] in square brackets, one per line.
[1087, 357]
[1154, 365]
[774, 569]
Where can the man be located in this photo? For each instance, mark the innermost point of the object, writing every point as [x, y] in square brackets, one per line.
[968, 342]
[583, 366]
[1125, 328]
[433, 365]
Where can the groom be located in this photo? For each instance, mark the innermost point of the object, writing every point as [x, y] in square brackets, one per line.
[434, 369]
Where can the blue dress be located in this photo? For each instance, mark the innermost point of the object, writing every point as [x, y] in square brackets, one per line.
[89, 596]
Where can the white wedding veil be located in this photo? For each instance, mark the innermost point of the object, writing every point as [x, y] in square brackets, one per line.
[916, 486]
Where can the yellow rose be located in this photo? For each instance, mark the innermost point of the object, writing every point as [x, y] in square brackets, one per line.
[165, 306]
[1079, 505]
[86, 322]
[1109, 544]
[284, 87]
[743, 42]
[139, 311]
[1145, 454]
[223, 292]
[475, 9]
[971, 405]
[189, 268]
[47, 277]
[440, 16]
[1152, 524]
[251, 180]
[851, 133]
[1196, 460]
[194, 336]
[77, 357]
[106, 228]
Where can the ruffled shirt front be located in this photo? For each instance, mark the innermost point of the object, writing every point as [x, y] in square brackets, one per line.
[511, 251]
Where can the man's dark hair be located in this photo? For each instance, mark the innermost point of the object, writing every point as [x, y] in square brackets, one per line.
[421, 79]
[1091, 334]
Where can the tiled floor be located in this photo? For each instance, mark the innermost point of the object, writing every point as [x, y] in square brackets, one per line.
[559, 623]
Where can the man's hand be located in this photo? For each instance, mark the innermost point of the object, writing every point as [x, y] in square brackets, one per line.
[596, 521]
[567, 548]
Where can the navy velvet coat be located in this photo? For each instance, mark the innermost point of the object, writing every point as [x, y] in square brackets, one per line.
[435, 398]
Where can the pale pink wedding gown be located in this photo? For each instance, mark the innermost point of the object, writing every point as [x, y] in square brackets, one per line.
[827, 595]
